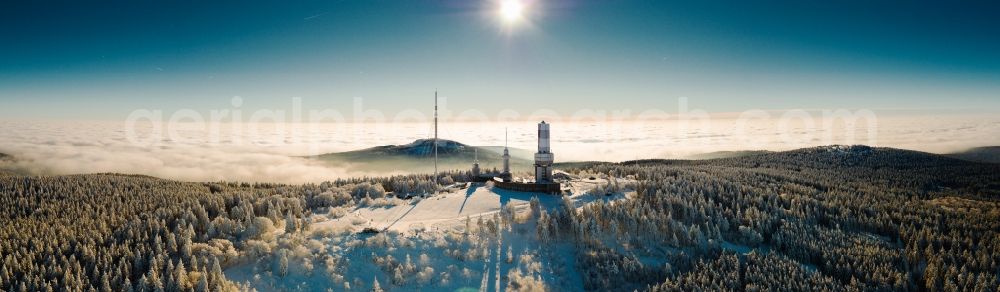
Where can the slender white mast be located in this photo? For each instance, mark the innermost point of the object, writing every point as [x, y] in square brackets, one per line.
[506, 154]
[435, 137]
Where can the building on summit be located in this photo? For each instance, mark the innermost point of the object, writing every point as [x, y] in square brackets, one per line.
[544, 183]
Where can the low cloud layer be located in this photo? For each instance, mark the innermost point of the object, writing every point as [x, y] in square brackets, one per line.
[74, 148]
[274, 152]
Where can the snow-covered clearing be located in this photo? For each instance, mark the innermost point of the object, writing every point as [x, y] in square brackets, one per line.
[467, 238]
[440, 212]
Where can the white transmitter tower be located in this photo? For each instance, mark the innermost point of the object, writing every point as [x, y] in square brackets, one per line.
[544, 157]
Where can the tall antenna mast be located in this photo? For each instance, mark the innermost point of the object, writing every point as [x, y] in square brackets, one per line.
[435, 137]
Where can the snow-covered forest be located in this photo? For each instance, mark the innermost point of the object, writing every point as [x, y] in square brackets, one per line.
[827, 218]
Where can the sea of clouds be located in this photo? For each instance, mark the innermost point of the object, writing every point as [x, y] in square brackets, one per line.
[277, 152]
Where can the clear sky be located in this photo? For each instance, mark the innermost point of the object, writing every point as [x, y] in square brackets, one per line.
[103, 59]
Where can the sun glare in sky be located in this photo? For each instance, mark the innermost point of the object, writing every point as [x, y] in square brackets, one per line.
[511, 11]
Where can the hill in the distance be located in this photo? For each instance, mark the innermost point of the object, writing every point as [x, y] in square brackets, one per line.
[725, 154]
[853, 156]
[418, 156]
[989, 154]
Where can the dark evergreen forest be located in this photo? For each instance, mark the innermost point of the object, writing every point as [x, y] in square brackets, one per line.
[825, 218]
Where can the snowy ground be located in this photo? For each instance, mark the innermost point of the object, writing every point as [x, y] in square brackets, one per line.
[445, 211]
[424, 245]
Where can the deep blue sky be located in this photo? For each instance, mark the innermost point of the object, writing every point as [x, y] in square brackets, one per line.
[102, 59]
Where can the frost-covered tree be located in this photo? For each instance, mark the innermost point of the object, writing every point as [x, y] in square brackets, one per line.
[375, 286]
[282, 262]
[536, 206]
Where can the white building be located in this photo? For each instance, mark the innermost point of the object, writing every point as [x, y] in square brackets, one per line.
[544, 157]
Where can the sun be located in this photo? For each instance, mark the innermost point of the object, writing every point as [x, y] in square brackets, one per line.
[511, 11]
